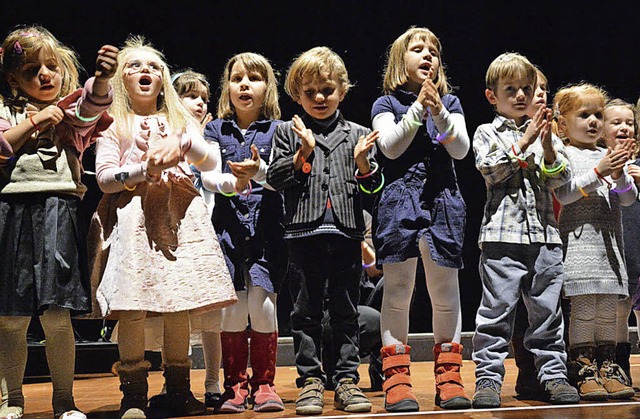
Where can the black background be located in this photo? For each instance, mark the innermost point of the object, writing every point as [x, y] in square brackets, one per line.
[569, 41]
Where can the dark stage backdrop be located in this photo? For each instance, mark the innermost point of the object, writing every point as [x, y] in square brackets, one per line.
[570, 41]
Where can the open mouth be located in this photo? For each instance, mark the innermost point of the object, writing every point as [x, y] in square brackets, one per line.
[245, 97]
[145, 80]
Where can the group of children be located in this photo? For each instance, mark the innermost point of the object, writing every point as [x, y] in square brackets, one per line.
[203, 218]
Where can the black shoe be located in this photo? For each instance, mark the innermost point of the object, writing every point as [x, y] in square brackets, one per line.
[212, 400]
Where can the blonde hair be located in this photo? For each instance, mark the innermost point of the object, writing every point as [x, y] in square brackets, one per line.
[188, 81]
[569, 98]
[395, 72]
[314, 63]
[168, 101]
[251, 62]
[23, 43]
[510, 65]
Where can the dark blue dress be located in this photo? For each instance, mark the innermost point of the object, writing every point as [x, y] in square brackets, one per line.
[250, 228]
[421, 194]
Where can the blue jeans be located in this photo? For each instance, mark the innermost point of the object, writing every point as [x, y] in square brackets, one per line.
[325, 268]
[508, 271]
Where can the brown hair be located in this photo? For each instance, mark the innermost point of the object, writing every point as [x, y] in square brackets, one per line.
[251, 62]
[189, 81]
[395, 73]
[509, 65]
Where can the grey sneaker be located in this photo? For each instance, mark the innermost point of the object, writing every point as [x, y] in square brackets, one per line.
[311, 398]
[559, 391]
[487, 394]
[349, 397]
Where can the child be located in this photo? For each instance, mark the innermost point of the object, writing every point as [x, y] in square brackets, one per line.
[521, 250]
[46, 123]
[313, 164]
[591, 229]
[154, 250]
[249, 219]
[527, 384]
[194, 92]
[420, 213]
[620, 126]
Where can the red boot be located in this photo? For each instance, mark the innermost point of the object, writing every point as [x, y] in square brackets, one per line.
[398, 395]
[449, 389]
[235, 355]
[263, 349]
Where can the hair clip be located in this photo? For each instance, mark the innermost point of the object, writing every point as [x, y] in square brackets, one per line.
[17, 48]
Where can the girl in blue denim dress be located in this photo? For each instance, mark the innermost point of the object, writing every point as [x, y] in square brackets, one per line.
[420, 213]
[248, 217]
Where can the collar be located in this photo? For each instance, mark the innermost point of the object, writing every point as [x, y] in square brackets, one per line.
[502, 123]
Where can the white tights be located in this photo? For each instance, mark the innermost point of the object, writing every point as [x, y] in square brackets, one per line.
[593, 319]
[254, 303]
[442, 285]
[60, 349]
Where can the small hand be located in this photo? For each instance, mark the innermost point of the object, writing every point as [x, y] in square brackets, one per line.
[247, 168]
[429, 96]
[534, 128]
[208, 118]
[164, 152]
[47, 117]
[305, 134]
[364, 145]
[634, 172]
[107, 62]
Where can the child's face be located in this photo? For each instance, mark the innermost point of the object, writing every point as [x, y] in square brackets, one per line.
[40, 77]
[142, 77]
[421, 61]
[539, 96]
[512, 97]
[247, 89]
[584, 126]
[195, 103]
[320, 96]
[618, 125]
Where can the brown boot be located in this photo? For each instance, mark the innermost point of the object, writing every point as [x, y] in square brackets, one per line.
[263, 351]
[178, 399]
[134, 387]
[585, 373]
[398, 396]
[449, 389]
[612, 376]
[235, 356]
[623, 355]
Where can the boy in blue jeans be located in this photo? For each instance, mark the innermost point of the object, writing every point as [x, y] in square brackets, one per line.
[521, 249]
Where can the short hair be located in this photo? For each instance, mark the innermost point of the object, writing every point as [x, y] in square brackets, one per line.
[188, 81]
[509, 65]
[569, 98]
[318, 61]
[25, 41]
[617, 102]
[395, 72]
[252, 62]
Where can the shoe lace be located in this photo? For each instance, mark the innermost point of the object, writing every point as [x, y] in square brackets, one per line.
[348, 388]
[612, 371]
[488, 383]
[555, 382]
[588, 372]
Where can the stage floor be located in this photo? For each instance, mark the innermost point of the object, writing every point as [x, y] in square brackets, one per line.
[98, 396]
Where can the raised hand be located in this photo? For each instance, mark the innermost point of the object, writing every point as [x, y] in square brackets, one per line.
[247, 168]
[305, 134]
[107, 62]
[429, 96]
[613, 161]
[364, 145]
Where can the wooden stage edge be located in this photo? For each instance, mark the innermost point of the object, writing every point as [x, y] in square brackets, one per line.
[98, 396]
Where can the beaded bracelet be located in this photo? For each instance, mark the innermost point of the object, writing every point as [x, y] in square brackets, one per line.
[376, 190]
[83, 119]
[371, 172]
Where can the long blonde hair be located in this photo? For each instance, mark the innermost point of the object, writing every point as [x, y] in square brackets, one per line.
[26, 41]
[251, 62]
[395, 72]
[168, 102]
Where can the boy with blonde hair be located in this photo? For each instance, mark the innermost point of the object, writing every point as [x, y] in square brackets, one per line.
[521, 249]
[314, 160]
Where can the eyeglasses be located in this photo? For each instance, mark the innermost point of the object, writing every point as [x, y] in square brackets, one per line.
[135, 66]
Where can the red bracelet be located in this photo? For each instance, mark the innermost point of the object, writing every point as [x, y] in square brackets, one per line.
[595, 169]
[34, 124]
[306, 166]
